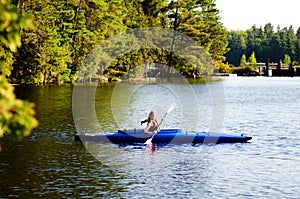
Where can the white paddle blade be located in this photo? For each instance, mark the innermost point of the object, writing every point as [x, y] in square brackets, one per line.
[171, 108]
[149, 141]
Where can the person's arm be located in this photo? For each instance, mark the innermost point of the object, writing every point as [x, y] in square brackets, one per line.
[159, 125]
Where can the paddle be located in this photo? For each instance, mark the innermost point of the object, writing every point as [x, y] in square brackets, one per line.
[171, 108]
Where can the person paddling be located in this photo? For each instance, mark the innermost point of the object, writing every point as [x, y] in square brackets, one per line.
[152, 123]
[157, 126]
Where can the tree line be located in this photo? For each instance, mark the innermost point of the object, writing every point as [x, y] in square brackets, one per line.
[269, 44]
[63, 32]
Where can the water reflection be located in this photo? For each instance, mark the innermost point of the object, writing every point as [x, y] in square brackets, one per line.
[46, 169]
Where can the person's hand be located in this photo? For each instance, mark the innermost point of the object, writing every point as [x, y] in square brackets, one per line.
[155, 131]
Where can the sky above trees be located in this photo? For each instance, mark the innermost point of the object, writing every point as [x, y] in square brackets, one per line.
[241, 15]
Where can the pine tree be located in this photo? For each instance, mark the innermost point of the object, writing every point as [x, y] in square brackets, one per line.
[139, 14]
[287, 59]
[243, 61]
[44, 55]
[252, 60]
[237, 43]
[269, 44]
[9, 34]
[200, 21]
[298, 45]
[65, 32]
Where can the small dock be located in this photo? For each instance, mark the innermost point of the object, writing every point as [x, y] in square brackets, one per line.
[276, 69]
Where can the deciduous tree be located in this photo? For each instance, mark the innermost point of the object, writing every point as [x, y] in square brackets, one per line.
[16, 116]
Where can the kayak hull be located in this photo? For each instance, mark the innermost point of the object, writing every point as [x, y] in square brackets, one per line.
[165, 136]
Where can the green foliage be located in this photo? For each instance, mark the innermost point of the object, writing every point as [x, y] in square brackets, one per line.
[237, 43]
[243, 61]
[252, 60]
[268, 43]
[287, 59]
[200, 21]
[16, 116]
[6, 61]
[65, 32]
[242, 70]
[222, 67]
[140, 14]
[11, 23]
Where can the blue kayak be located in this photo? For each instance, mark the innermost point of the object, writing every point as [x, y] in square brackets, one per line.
[165, 136]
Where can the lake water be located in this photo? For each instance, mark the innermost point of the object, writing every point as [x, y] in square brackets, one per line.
[50, 164]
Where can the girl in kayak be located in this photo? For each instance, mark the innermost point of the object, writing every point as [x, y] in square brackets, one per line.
[152, 123]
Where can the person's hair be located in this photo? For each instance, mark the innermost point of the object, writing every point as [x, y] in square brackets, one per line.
[151, 113]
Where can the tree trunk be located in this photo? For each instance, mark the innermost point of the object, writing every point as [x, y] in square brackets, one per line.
[173, 41]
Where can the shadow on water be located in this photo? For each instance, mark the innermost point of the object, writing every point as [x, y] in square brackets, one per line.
[33, 169]
[53, 106]
[48, 163]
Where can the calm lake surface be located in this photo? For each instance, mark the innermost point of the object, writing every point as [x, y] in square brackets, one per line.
[50, 164]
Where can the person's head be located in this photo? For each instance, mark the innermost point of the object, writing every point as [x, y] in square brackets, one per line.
[152, 116]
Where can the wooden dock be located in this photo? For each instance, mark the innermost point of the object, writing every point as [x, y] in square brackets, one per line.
[276, 69]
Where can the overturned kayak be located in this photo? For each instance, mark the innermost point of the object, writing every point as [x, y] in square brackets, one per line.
[165, 136]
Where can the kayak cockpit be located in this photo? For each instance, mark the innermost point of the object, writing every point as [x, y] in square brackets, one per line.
[141, 131]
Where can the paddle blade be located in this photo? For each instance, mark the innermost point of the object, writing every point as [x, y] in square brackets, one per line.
[148, 142]
[171, 108]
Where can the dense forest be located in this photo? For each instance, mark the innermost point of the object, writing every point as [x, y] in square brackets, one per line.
[269, 44]
[63, 32]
